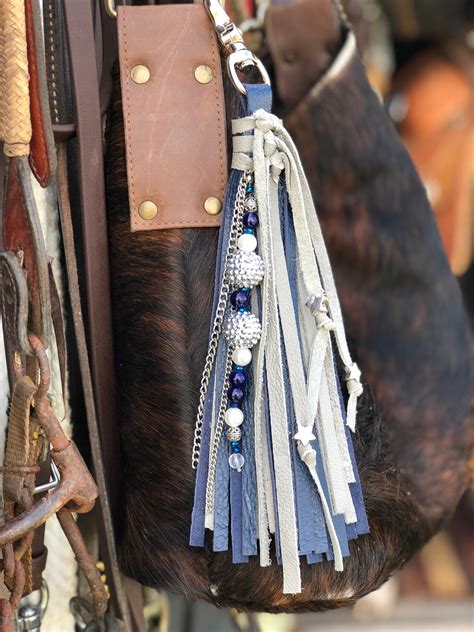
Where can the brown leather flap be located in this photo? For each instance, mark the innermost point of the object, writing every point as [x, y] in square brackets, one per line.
[175, 132]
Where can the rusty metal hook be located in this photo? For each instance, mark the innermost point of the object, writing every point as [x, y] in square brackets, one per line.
[76, 490]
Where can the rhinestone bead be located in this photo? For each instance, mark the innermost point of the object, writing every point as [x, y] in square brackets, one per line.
[241, 356]
[242, 330]
[234, 434]
[245, 269]
[233, 417]
[236, 461]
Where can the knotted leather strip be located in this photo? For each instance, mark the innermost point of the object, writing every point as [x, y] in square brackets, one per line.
[175, 130]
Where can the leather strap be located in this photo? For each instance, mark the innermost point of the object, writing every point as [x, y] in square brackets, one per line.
[57, 67]
[42, 156]
[79, 27]
[175, 130]
[22, 236]
[98, 382]
[106, 532]
[298, 58]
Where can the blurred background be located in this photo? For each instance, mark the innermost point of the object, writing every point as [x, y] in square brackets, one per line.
[419, 56]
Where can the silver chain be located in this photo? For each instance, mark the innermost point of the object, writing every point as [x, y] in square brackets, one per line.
[235, 230]
[211, 476]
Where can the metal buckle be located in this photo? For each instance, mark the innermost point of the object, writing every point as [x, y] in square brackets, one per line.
[239, 57]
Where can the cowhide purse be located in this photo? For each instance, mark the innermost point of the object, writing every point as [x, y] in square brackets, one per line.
[247, 481]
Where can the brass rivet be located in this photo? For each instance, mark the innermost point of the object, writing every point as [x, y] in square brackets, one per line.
[203, 73]
[147, 210]
[213, 206]
[140, 74]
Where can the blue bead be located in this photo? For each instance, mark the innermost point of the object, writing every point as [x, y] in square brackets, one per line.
[235, 447]
[234, 404]
[237, 379]
[238, 368]
[250, 220]
[250, 189]
[239, 299]
[249, 231]
[235, 394]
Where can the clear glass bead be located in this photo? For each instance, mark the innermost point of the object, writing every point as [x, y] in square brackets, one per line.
[236, 461]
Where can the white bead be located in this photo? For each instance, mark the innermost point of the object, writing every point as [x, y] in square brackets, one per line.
[236, 461]
[247, 242]
[241, 356]
[234, 417]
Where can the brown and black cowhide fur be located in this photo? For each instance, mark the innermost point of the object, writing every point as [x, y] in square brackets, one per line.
[403, 312]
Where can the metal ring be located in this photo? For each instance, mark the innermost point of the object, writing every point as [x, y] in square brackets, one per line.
[245, 56]
[110, 8]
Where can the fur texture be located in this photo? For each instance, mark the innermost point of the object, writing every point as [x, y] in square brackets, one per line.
[162, 288]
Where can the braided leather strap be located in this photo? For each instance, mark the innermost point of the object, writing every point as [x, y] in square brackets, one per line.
[15, 123]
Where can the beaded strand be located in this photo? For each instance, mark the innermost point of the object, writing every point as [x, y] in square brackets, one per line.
[242, 329]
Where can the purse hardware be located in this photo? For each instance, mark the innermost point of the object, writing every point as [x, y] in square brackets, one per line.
[239, 57]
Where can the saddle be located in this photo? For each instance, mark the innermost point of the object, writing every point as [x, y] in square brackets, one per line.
[119, 331]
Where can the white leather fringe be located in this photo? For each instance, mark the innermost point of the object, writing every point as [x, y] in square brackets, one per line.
[262, 145]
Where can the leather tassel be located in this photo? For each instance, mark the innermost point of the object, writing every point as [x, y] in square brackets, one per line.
[276, 308]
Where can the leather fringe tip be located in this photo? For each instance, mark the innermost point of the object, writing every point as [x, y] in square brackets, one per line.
[275, 464]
